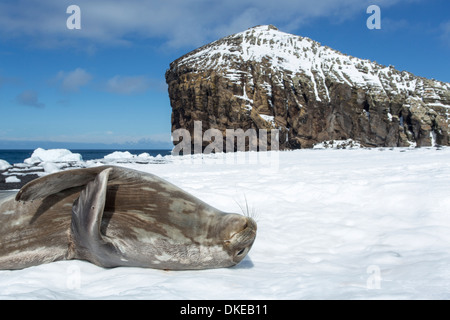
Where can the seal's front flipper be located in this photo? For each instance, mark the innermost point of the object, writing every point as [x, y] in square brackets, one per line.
[56, 182]
[87, 214]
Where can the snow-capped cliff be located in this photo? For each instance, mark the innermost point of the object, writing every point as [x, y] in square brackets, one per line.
[265, 78]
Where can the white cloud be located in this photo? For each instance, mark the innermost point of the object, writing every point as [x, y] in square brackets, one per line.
[129, 84]
[179, 23]
[29, 98]
[72, 81]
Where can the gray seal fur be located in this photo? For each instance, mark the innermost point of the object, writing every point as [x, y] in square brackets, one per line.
[114, 216]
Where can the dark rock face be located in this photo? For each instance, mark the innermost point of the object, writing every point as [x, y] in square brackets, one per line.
[266, 79]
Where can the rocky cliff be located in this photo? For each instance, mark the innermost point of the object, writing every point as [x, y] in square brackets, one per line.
[263, 78]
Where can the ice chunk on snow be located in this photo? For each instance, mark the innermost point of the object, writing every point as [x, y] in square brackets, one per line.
[117, 155]
[4, 165]
[144, 155]
[53, 155]
[12, 179]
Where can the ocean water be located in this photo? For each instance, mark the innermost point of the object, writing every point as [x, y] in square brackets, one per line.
[18, 156]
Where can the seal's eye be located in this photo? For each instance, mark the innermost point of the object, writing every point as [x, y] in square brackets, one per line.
[240, 252]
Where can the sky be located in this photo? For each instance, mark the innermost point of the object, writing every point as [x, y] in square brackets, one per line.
[103, 86]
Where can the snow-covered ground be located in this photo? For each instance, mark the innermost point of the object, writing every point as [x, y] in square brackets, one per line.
[332, 224]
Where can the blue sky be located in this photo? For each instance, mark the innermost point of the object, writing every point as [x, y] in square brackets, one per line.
[103, 86]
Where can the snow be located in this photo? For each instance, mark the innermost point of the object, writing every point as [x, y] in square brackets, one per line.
[338, 144]
[53, 155]
[438, 104]
[249, 102]
[332, 224]
[4, 165]
[270, 119]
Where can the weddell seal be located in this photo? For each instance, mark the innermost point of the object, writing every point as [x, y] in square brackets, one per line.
[113, 216]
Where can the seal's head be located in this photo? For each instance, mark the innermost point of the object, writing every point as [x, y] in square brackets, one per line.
[199, 239]
[239, 233]
[187, 240]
